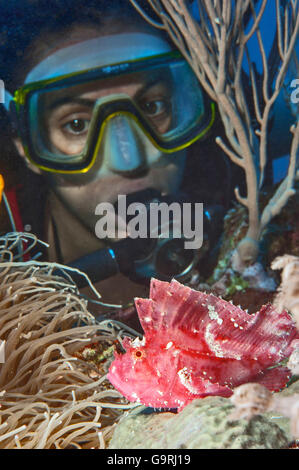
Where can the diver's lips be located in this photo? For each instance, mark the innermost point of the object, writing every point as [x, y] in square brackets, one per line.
[109, 188]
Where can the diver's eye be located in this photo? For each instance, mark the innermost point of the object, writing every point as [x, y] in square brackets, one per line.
[155, 108]
[77, 126]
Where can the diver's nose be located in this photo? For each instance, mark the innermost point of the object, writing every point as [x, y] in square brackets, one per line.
[123, 148]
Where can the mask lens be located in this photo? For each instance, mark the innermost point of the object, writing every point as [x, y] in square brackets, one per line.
[165, 100]
[61, 132]
[171, 102]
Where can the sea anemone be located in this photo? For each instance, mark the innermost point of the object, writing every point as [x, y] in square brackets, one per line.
[50, 395]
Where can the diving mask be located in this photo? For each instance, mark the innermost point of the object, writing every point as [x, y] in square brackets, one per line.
[79, 93]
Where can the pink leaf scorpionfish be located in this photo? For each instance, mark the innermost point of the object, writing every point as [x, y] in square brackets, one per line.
[196, 344]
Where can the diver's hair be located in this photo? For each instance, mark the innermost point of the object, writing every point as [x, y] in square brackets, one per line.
[24, 22]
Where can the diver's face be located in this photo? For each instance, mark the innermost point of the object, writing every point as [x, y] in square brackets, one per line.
[121, 167]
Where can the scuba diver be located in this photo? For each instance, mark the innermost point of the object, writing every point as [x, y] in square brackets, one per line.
[100, 104]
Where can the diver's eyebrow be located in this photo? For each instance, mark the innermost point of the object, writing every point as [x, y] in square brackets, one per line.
[71, 99]
[150, 84]
[90, 103]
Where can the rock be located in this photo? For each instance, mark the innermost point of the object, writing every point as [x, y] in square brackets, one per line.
[257, 278]
[203, 424]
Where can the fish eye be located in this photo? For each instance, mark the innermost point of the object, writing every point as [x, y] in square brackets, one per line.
[139, 354]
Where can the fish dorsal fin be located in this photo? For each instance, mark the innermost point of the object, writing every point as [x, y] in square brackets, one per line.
[178, 305]
[168, 306]
[207, 324]
[188, 309]
[151, 311]
[228, 329]
[144, 308]
[157, 311]
[159, 294]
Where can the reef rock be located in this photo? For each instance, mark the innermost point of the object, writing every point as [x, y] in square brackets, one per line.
[203, 424]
